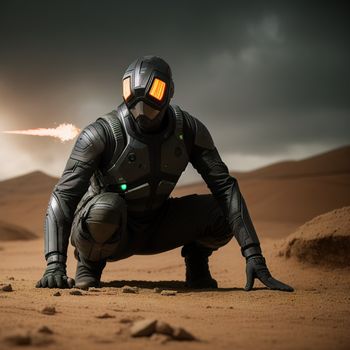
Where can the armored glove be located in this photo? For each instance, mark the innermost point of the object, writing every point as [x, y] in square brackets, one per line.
[256, 268]
[55, 276]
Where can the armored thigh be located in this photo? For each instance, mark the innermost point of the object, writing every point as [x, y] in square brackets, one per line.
[193, 218]
[99, 226]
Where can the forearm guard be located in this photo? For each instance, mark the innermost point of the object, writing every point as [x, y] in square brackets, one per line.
[241, 223]
[57, 231]
[71, 187]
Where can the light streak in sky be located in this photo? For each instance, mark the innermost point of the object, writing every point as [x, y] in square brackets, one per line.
[64, 132]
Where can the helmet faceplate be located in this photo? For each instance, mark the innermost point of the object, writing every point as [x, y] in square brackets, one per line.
[147, 89]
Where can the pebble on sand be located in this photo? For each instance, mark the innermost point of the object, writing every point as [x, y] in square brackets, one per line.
[125, 320]
[45, 330]
[6, 288]
[128, 289]
[143, 328]
[48, 310]
[57, 294]
[75, 292]
[168, 292]
[105, 315]
[157, 290]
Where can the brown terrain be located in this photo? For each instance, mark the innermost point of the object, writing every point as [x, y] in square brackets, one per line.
[301, 210]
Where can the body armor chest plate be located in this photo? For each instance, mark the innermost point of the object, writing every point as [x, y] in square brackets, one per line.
[149, 166]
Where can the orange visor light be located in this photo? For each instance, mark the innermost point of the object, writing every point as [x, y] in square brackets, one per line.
[157, 89]
[126, 88]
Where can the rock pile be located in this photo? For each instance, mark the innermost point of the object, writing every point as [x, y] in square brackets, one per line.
[159, 330]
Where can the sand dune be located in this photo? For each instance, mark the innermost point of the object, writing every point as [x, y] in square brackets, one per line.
[24, 199]
[292, 192]
[11, 232]
[325, 240]
[329, 163]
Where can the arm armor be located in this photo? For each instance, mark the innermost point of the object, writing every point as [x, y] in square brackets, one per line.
[207, 161]
[74, 182]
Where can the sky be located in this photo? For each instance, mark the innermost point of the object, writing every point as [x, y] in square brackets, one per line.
[270, 80]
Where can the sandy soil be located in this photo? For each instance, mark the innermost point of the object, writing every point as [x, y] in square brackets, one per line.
[315, 316]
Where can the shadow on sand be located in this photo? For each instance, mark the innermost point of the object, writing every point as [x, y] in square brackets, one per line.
[172, 285]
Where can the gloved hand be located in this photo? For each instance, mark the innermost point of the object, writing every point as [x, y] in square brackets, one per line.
[55, 276]
[256, 268]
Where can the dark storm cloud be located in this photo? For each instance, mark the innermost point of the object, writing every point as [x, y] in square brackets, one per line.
[263, 76]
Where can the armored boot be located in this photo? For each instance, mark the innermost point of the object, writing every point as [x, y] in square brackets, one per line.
[197, 268]
[88, 273]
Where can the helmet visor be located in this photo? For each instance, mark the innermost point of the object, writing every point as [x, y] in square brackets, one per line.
[126, 89]
[157, 89]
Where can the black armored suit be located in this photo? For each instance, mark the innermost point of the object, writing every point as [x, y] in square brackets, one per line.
[114, 196]
[112, 156]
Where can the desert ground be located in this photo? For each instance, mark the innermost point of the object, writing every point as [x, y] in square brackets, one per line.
[301, 210]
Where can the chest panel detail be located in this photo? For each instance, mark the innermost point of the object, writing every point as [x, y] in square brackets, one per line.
[133, 163]
[144, 179]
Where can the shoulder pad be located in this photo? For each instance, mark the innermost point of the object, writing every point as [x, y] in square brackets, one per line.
[89, 144]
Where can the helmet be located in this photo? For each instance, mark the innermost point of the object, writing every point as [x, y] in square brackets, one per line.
[147, 90]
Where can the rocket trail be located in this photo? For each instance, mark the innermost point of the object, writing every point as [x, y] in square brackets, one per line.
[64, 132]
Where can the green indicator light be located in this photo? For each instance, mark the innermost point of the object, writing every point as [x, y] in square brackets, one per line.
[181, 137]
[123, 187]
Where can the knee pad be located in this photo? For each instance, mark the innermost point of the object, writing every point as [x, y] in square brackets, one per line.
[105, 216]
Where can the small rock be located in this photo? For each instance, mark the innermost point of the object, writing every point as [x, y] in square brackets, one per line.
[6, 288]
[157, 290]
[45, 330]
[48, 310]
[75, 292]
[57, 294]
[168, 292]
[164, 328]
[19, 339]
[125, 320]
[11, 278]
[160, 338]
[105, 315]
[128, 289]
[181, 334]
[143, 328]
[94, 289]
